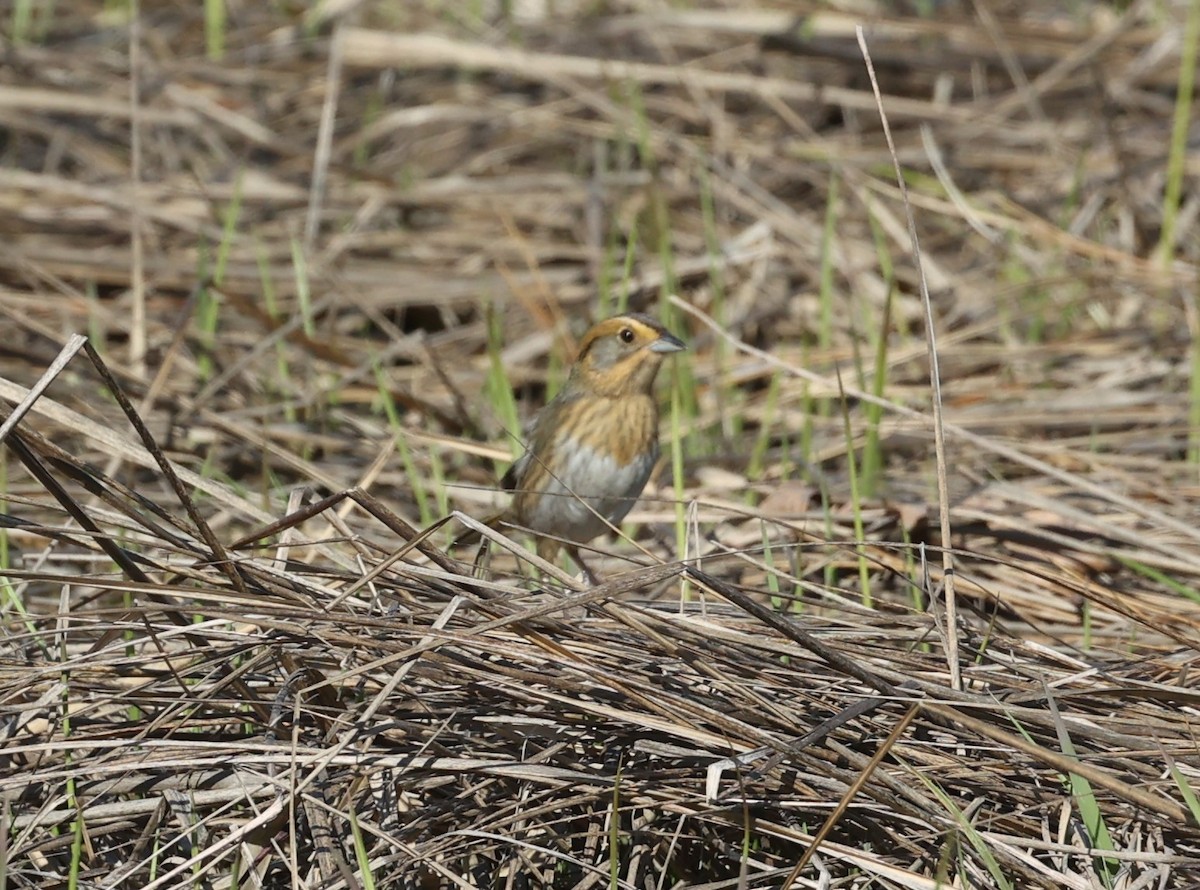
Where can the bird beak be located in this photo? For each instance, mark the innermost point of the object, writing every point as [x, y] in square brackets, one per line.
[667, 343]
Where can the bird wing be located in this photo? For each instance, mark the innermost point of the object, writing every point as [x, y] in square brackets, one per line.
[511, 480]
[539, 440]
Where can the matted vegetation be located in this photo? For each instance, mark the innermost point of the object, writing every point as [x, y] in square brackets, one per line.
[329, 258]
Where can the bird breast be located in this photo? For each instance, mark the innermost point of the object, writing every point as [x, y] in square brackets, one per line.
[586, 480]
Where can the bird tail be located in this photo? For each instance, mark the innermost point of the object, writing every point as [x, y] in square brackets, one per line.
[471, 536]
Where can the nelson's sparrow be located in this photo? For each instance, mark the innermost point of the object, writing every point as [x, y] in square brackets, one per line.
[590, 451]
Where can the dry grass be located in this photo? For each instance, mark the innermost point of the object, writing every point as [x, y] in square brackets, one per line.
[235, 658]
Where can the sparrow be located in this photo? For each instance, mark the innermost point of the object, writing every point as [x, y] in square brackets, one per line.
[592, 448]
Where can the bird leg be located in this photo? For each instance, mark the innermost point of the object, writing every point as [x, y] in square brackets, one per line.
[588, 575]
[547, 549]
[482, 559]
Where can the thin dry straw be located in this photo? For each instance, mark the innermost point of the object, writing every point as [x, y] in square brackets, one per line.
[852, 792]
[333, 86]
[137, 324]
[379, 49]
[227, 566]
[935, 378]
[74, 343]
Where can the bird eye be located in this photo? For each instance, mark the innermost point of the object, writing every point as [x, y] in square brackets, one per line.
[626, 335]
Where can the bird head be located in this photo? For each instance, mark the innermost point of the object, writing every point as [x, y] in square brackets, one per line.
[622, 355]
